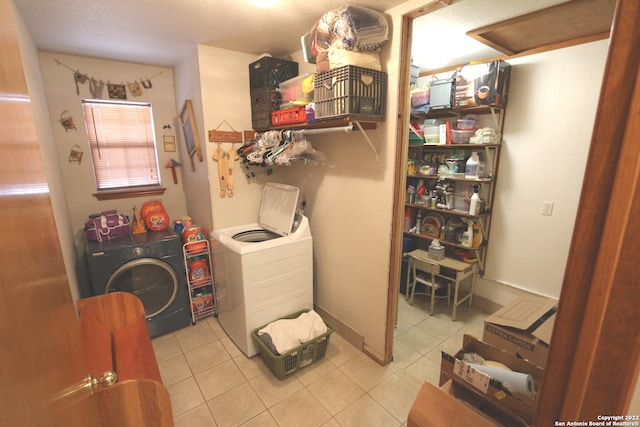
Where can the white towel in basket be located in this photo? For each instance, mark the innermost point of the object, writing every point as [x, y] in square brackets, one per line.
[290, 333]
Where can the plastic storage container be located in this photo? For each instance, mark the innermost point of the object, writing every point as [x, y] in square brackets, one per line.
[265, 75]
[283, 365]
[350, 91]
[268, 72]
[461, 136]
[289, 116]
[465, 123]
[432, 135]
[263, 103]
[291, 91]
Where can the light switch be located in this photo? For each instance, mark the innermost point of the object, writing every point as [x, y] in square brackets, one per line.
[547, 208]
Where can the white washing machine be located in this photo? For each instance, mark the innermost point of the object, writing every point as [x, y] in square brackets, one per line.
[263, 270]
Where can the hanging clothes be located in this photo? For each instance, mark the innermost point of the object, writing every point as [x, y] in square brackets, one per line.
[225, 161]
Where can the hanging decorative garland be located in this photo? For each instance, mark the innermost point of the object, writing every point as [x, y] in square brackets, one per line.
[115, 91]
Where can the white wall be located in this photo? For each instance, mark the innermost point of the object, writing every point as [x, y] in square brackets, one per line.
[349, 204]
[78, 180]
[195, 175]
[217, 82]
[226, 102]
[349, 200]
[552, 105]
[48, 150]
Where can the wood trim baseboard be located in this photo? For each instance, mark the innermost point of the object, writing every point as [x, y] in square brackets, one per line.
[342, 329]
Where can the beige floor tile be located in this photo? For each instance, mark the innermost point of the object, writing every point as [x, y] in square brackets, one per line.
[440, 308]
[231, 348]
[468, 314]
[250, 367]
[185, 395]
[166, 347]
[451, 345]
[418, 340]
[195, 336]
[216, 327]
[230, 389]
[174, 370]
[315, 371]
[401, 326]
[219, 379]
[403, 356]
[340, 351]
[396, 396]
[441, 328]
[236, 406]
[300, 409]
[207, 356]
[475, 327]
[335, 391]
[423, 369]
[272, 391]
[264, 419]
[365, 372]
[366, 412]
[411, 315]
[196, 417]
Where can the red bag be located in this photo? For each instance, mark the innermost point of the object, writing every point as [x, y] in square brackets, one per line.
[108, 225]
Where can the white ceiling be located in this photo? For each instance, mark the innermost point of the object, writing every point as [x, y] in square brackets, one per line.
[440, 40]
[163, 32]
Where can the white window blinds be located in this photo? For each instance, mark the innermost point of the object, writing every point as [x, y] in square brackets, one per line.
[122, 141]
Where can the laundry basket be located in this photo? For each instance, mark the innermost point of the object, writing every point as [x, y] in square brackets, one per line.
[283, 365]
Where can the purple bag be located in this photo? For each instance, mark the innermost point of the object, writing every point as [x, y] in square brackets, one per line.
[108, 225]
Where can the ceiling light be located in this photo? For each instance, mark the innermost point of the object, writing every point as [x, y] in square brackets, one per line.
[264, 3]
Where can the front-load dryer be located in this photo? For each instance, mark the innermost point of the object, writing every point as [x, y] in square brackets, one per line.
[148, 265]
[264, 270]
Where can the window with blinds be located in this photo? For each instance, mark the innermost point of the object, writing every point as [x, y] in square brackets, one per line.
[123, 146]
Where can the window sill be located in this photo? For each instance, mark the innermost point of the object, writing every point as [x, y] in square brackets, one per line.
[129, 193]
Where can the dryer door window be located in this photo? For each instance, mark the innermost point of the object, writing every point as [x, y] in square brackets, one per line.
[153, 281]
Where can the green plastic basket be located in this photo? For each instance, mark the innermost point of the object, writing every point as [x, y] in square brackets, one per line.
[284, 365]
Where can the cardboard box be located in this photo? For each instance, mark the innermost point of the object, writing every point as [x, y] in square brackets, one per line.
[482, 84]
[523, 328]
[492, 392]
[452, 405]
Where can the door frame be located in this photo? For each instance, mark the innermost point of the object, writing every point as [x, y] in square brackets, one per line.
[597, 320]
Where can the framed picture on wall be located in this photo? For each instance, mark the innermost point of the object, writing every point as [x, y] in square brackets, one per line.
[169, 142]
[190, 130]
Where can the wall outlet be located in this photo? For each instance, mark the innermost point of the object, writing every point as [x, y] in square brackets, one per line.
[547, 208]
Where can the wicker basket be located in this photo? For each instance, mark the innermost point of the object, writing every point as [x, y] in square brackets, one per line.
[283, 365]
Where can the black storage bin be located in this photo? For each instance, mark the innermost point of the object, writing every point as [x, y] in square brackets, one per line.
[268, 72]
[263, 103]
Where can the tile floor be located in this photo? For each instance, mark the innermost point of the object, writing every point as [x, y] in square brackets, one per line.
[211, 383]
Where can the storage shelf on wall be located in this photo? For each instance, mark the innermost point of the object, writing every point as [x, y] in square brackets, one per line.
[367, 124]
[202, 295]
[496, 112]
[342, 124]
[491, 157]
